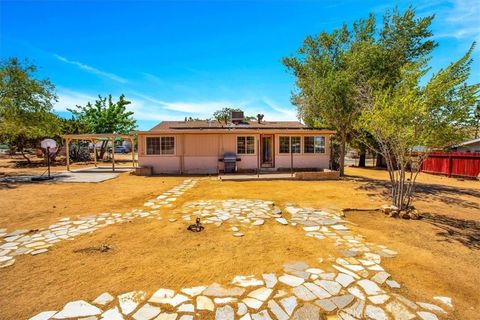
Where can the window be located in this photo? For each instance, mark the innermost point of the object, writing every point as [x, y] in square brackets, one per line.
[319, 144]
[295, 144]
[153, 145]
[168, 145]
[285, 144]
[246, 145]
[314, 144]
[160, 145]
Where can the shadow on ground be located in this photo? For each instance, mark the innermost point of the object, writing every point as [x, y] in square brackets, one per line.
[424, 191]
[467, 232]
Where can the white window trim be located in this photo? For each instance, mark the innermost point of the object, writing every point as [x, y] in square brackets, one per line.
[289, 143]
[314, 153]
[160, 154]
[254, 146]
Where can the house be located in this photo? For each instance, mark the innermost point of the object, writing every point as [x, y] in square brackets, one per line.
[468, 146]
[191, 147]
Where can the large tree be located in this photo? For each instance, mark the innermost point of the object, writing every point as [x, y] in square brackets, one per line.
[105, 116]
[407, 115]
[329, 67]
[26, 103]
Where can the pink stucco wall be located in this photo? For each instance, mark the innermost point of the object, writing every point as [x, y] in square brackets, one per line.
[199, 153]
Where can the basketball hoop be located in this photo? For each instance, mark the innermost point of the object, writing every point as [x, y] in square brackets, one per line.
[50, 146]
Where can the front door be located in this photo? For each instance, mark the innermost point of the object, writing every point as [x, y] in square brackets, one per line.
[266, 151]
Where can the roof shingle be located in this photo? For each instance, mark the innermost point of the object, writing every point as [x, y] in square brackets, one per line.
[203, 124]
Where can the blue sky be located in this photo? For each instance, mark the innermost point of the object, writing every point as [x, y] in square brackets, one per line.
[176, 58]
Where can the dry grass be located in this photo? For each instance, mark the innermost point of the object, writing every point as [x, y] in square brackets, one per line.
[147, 255]
[37, 205]
[437, 255]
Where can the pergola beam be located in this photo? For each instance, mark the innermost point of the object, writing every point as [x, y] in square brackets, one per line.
[94, 137]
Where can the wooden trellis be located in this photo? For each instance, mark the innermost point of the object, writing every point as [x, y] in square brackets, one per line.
[94, 138]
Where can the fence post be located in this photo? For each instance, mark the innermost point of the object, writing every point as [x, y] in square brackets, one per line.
[450, 163]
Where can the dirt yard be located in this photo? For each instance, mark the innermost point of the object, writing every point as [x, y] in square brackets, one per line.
[438, 255]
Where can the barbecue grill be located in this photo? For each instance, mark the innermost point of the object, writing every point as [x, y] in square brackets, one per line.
[230, 162]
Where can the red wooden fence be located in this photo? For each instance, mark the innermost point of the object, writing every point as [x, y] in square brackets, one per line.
[462, 164]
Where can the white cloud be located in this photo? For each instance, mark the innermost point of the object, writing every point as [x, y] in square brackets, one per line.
[69, 99]
[147, 108]
[462, 20]
[198, 108]
[93, 70]
[280, 113]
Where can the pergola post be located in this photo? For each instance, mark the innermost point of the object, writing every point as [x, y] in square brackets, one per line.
[67, 142]
[133, 152]
[113, 153]
[94, 152]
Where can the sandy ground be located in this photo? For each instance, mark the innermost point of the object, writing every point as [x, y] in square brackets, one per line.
[148, 255]
[438, 255]
[37, 205]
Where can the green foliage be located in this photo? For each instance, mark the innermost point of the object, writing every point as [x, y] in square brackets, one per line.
[407, 115]
[224, 114]
[105, 116]
[325, 78]
[25, 105]
[331, 69]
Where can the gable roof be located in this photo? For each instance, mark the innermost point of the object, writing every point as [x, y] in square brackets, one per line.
[467, 143]
[203, 124]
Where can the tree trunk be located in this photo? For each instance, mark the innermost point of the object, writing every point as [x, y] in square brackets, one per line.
[379, 160]
[103, 148]
[25, 156]
[363, 157]
[343, 143]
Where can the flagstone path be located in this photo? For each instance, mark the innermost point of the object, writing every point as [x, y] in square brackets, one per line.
[354, 286]
[38, 241]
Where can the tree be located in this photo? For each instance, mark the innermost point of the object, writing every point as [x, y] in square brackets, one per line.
[325, 79]
[476, 120]
[25, 105]
[329, 68]
[406, 115]
[224, 114]
[105, 116]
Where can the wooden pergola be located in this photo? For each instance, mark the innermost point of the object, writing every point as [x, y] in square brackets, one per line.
[94, 138]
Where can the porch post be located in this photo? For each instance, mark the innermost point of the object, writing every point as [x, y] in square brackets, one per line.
[291, 156]
[67, 142]
[133, 152]
[258, 158]
[113, 153]
[94, 152]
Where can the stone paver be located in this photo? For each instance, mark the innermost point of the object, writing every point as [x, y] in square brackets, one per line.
[21, 242]
[77, 309]
[353, 286]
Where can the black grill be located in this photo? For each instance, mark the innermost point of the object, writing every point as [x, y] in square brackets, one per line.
[230, 162]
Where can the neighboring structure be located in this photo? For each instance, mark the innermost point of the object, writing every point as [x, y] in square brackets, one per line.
[468, 146]
[199, 146]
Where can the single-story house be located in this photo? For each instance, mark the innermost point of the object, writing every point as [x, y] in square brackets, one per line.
[468, 146]
[183, 147]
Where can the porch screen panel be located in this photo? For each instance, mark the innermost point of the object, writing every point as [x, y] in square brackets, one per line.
[308, 144]
[153, 145]
[319, 144]
[168, 145]
[284, 144]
